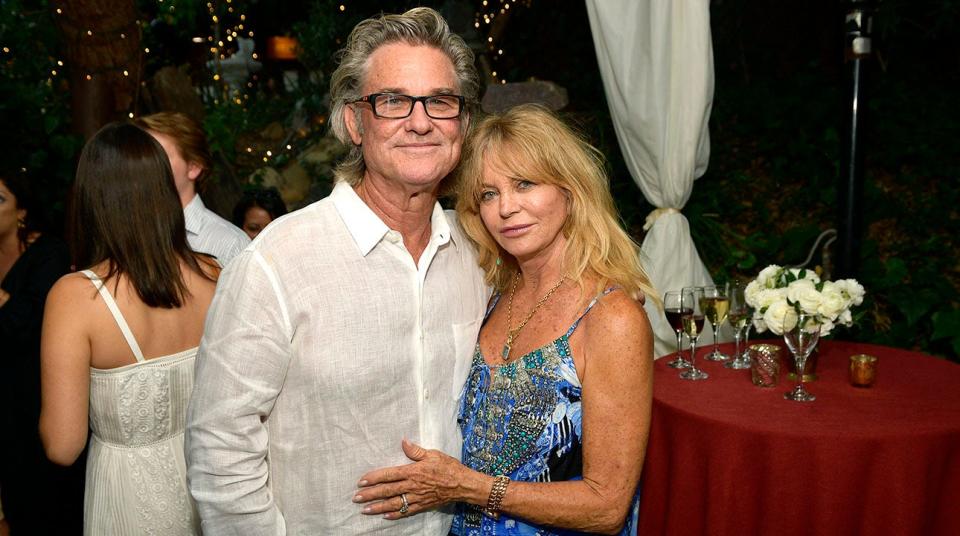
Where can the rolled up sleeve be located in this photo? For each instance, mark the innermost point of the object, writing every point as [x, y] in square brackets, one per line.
[240, 368]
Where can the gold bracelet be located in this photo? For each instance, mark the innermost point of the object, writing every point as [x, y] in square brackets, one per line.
[497, 492]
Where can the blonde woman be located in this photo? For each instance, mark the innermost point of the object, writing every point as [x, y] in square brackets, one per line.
[556, 409]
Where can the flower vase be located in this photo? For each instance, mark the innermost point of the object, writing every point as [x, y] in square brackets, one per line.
[809, 368]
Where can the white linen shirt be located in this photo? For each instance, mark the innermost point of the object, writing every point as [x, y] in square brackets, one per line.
[325, 346]
[209, 233]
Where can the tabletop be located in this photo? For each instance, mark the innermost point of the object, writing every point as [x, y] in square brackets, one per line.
[726, 457]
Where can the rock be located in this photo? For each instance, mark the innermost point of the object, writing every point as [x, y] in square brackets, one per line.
[501, 97]
[308, 177]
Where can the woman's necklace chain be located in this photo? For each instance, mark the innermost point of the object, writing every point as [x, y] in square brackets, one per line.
[512, 333]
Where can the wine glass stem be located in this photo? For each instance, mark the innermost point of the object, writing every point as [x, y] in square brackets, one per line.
[715, 330]
[736, 342]
[801, 363]
[693, 353]
[679, 345]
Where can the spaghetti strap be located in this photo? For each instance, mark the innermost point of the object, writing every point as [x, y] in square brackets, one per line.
[115, 311]
[593, 302]
[493, 303]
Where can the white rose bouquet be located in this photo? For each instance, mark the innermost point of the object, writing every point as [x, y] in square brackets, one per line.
[779, 294]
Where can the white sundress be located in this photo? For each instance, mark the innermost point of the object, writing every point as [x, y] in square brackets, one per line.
[136, 470]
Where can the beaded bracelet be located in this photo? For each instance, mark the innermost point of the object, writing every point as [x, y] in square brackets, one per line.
[496, 496]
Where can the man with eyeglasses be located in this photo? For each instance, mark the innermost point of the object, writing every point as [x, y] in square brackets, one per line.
[349, 325]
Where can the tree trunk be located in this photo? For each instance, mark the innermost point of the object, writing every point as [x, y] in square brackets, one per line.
[104, 57]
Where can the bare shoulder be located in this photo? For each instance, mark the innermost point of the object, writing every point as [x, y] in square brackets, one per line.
[71, 300]
[617, 314]
[71, 287]
[618, 329]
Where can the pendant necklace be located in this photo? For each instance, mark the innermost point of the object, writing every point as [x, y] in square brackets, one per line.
[512, 333]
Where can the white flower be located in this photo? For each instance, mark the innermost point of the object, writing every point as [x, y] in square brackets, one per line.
[751, 291]
[826, 326]
[804, 293]
[832, 301]
[767, 277]
[770, 296]
[779, 316]
[808, 275]
[852, 289]
[776, 303]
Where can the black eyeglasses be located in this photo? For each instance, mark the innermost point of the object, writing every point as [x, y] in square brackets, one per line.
[396, 106]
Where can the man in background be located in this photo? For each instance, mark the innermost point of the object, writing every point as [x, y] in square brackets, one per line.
[186, 146]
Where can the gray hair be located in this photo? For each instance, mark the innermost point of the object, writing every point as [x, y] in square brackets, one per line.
[419, 26]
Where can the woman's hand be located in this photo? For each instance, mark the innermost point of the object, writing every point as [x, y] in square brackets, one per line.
[4, 297]
[432, 480]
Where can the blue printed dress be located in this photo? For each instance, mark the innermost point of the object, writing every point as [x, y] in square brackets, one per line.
[524, 421]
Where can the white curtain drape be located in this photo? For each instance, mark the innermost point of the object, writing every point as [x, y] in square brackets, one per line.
[656, 59]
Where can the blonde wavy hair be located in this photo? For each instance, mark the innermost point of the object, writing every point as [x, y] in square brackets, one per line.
[533, 143]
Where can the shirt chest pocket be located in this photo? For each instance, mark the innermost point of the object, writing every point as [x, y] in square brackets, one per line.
[464, 341]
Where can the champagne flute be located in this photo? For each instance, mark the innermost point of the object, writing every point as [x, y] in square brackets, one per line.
[801, 333]
[738, 316]
[715, 305]
[673, 308]
[692, 318]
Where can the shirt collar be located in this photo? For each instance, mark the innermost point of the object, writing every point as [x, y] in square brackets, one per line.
[367, 229]
[193, 215]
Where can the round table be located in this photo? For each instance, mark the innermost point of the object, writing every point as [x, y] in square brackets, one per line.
[726, 457]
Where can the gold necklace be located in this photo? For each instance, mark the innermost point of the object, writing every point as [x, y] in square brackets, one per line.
[512, 333]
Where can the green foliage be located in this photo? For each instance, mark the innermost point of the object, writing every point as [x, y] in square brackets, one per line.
[772, 186]
[321, 33]
[34, 108]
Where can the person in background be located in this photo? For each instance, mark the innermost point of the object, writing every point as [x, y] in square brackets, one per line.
[348, 324]
[556, 407]
[257, 208]
[31, 261]
[120, 338]
[186, 146]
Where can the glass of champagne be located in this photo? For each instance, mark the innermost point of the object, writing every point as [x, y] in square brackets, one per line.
[673, 308]
[692, 318]
[738, 316]
[801, 332]
[715, 304]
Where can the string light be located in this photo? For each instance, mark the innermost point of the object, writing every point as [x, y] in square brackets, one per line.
[487, 13]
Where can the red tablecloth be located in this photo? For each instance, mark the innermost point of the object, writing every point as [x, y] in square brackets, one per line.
[726, 457]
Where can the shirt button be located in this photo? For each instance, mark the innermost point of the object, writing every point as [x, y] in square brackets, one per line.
[394, 237]
[426, 394]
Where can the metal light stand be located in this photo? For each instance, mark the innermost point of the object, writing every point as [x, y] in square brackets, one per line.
[858, 54]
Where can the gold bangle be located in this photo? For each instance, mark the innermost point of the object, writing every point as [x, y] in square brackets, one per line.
[497, 492]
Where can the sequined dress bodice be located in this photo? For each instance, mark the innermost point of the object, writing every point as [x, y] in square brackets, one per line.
[523, 420]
